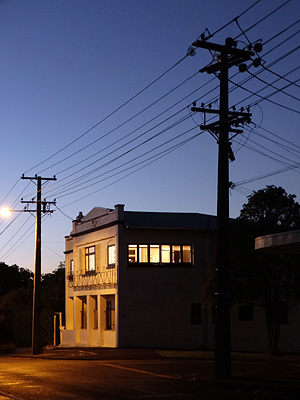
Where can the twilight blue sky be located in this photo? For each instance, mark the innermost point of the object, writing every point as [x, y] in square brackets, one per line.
[81, 99]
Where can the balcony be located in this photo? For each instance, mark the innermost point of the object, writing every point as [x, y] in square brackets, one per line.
[103, 279]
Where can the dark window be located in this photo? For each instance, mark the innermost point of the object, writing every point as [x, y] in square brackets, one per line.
[283, 313]
[108, 316]
[196, 313]
[246, 312]
[83, 316]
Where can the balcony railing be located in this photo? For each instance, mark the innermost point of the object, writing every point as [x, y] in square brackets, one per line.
[107, 278]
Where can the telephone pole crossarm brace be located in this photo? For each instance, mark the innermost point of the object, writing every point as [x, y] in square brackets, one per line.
[41, 206]
[228, 55]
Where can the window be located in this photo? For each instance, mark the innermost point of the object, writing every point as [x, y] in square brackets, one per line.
[143, 253]
[132, 253]
[95, 312]
[186, 254]
[111, 250]
[166, 254]
[246, 312]
[176, 254]
[154, 253]
[83, 316]
[196, 314]
[108, 315]
[283, 312]
[71, 267]
[90, 258]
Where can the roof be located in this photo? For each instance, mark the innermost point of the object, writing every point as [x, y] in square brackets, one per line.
[169, 220]
[280, 243]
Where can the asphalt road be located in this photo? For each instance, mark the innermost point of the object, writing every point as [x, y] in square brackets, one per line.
[23, 378]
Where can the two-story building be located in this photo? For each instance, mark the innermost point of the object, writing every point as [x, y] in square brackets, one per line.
[133, 279]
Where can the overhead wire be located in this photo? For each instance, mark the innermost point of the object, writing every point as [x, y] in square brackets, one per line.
[138, 169]
[109, 115]
[59, 194]
[126, 152]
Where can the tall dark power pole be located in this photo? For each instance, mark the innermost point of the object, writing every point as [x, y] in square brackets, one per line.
[41, 206]
[228, 56]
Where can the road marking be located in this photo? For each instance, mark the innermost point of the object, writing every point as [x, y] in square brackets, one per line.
[141, 371]
[5, 396]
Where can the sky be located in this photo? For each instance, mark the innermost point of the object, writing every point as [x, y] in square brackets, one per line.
[99, 94]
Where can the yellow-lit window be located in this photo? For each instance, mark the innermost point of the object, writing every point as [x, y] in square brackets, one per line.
[154, 253]
[176, 254]
[143, 253]
[90, 259]
[186, 254]
[111, 256]
[165, 253]
[132, 253]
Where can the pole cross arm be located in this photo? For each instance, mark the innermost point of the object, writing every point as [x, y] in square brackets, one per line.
[220, 48]
[212, 111]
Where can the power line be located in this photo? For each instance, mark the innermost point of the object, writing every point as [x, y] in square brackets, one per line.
[109, 115]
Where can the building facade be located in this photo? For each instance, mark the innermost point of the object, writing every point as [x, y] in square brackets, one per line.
[133, 279]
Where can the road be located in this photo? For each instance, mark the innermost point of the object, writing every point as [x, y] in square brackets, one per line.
[23, 378]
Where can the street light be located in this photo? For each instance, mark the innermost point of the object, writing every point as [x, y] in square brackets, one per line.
[5, 212]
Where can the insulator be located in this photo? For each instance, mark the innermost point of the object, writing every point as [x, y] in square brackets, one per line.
[256, 62]
[257, 47]
[229, 42]
[243, 67]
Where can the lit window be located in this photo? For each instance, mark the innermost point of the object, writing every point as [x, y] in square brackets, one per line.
[132, 253]
[90, 258]
[176, 254]
[165, 253]
[143, 253]
[162, 254]
[111, 256]
[71, 267]
[154, 253]
[186, 254]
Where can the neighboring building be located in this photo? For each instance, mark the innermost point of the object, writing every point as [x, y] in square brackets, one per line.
[133, 279]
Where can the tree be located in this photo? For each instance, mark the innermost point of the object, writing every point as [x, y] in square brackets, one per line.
[266, 280]
[53, 300]
[16, 303]
[13, 277]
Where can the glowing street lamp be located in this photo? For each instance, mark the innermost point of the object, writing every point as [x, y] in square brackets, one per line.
[5, 212]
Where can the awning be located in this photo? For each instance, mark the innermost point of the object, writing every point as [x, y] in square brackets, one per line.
[279, 243]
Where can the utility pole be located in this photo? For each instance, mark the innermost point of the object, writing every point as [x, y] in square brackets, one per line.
[41, 206]
[228, 55]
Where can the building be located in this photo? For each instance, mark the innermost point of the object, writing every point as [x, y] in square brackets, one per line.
[133, 279]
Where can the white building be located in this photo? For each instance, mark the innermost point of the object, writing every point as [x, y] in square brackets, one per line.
[133, 278]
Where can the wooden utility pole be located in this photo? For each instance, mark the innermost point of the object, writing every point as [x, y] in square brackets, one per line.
[228, 55]
[41, 206]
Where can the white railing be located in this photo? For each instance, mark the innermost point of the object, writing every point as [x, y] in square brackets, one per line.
[103, 279]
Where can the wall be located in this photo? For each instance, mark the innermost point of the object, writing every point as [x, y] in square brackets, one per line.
[155, 302]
